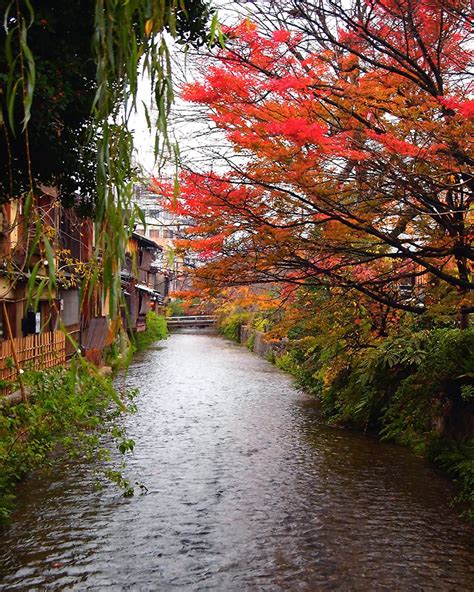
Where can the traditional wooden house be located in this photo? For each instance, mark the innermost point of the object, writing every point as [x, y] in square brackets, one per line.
[44, 328]
[48, 328]
[29, 303]
[74, 253]
[138, 281]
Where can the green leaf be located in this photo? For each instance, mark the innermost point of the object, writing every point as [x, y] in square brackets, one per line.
[39, 291]
[28, 90]
[213, 30]
[7, 15]
[31, 283]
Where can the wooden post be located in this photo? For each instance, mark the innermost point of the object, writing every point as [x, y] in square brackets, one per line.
[466, 310]
[15, 358]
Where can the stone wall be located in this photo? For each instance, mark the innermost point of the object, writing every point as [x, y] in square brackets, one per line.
[256, 339]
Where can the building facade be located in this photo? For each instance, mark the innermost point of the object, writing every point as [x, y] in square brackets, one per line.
[164, 227]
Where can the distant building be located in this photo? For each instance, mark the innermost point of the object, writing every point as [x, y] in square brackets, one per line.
[138, 278]
[163, 227]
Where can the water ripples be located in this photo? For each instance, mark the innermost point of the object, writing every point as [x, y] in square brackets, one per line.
[247, 490]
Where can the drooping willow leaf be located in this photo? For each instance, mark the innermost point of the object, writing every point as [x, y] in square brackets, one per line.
[72, 74]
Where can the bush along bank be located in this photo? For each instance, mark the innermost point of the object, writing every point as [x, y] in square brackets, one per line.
[156, 330]
[74, 409]
[69, 408]
[414, 387]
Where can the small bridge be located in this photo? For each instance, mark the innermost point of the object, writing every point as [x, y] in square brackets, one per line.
[191, 322]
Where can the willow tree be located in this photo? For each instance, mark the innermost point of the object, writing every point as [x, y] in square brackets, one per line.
[69, 78]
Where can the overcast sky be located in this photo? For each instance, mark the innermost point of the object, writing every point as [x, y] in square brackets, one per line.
[186, 124]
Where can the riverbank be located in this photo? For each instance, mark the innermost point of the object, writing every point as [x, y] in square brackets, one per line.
[416, 391]
[69, 408]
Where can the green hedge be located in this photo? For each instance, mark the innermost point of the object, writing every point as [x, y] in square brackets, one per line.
[156, 329]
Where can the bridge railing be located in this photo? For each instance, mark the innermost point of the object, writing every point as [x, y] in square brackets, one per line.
[191, 320]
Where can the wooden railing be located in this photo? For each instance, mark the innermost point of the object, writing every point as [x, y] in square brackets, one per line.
[38, 352]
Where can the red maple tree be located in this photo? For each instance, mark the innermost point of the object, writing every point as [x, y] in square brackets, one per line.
[353, 130]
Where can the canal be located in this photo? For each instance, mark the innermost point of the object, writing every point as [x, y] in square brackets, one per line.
[247, 491]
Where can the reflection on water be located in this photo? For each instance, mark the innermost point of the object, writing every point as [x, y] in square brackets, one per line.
[247, 490]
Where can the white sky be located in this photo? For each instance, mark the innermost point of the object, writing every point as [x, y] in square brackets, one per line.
[190, 131]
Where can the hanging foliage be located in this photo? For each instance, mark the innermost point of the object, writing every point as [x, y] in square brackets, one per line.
[69, 77]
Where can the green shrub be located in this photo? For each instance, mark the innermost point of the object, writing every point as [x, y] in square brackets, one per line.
[302, 360]
[457, 459]
[68, 407]
[270, 356]
[435, 376]
[230, 325]
[175, 308]
[156, 329]
[261, 323]
[286, 363]
[156, 326]
[251, 342]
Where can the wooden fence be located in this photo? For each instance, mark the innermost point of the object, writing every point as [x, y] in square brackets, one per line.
[39, 352]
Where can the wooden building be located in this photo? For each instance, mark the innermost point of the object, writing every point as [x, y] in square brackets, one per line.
[138, 278]
[29, 303]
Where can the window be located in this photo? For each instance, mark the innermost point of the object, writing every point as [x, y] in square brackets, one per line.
[70, 313]
[154, 213]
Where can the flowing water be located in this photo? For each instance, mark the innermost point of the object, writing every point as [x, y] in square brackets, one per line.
[247, 491]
